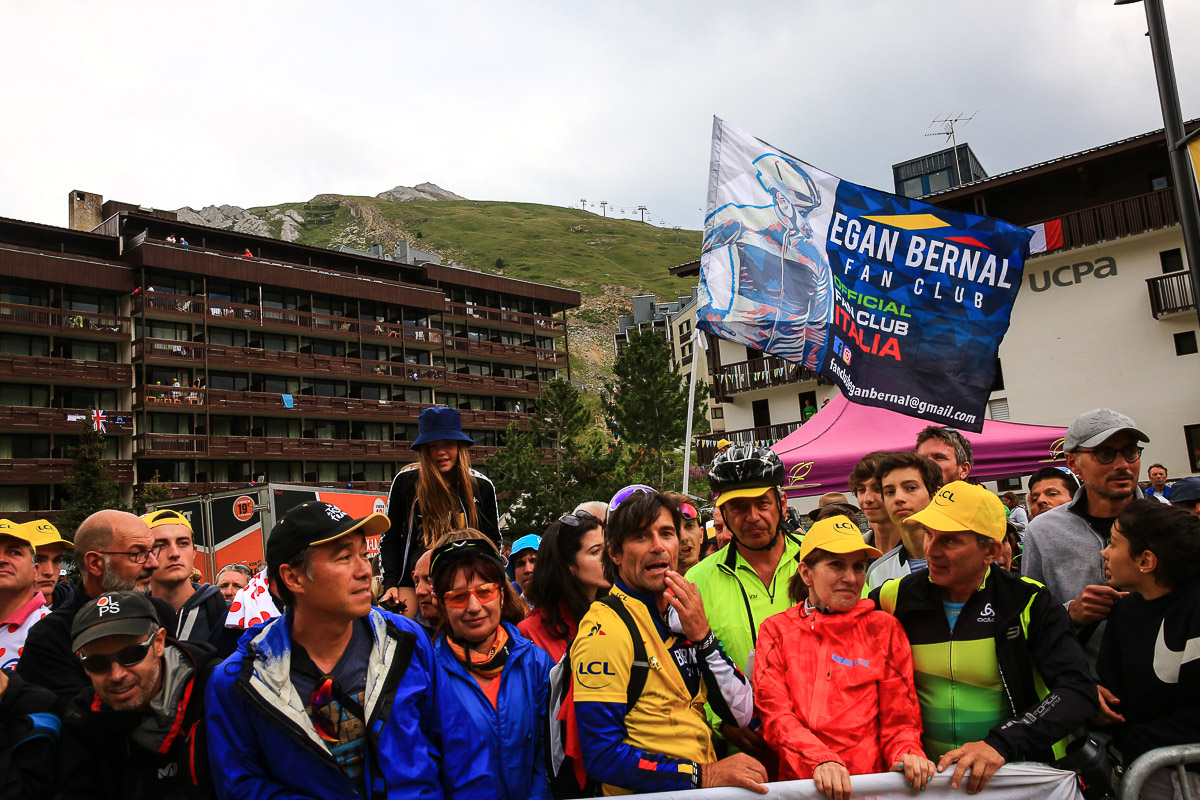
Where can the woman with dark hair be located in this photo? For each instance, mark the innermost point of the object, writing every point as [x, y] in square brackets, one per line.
[502, 678]
[1149, 663]
[438, 494]
[567, 579]
[862, 716]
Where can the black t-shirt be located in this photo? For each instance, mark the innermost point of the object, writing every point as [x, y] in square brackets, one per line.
[344, 709]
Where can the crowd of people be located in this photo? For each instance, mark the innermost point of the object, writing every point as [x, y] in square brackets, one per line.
[640, 643]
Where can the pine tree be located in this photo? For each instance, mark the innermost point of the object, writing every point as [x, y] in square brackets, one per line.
[561, 414]
[152, 491]
[648, 401]
[89, 488]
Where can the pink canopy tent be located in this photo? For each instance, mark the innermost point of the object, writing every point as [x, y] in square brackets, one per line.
[819, 455]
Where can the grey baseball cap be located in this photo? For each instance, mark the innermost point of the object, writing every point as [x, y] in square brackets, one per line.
[1092, 428]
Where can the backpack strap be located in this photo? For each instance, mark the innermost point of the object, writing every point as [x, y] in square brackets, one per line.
[640, 669]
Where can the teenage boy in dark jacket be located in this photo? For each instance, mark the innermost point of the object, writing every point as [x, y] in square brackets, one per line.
[139, 731]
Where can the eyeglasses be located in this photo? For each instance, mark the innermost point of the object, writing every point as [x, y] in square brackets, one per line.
[625, 494]
[321, 697]
[1106, 455]
[688, 511]
[136, 556]
[242, 568]
[577, 518]
[129, 657]
[459, 598]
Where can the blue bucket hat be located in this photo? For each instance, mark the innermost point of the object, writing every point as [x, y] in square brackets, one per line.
[437, 423]
[528, 542]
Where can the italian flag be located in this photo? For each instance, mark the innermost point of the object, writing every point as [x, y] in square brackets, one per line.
[1047, 236]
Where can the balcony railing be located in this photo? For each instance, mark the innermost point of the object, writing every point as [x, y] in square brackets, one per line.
[208, 487]
[1129, 217]
[65, 371]
[757, 373]
[1170, 294]
[169, 444]
[57, 420]
[265, 316]
[491, 384]
[765, 436]
[75, 323]
[508, 352]
[504, 317]
[256, 358]
[53, 470]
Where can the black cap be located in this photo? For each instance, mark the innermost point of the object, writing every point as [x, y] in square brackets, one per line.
[113, 614]
[314, 523]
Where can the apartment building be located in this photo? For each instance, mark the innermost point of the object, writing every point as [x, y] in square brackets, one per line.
[221, 359]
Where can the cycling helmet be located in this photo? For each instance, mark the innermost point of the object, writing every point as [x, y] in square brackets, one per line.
[745, 471]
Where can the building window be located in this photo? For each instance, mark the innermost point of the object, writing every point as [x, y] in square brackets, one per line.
[1185, 343]
[716, 412]
[761, 410]
[1191, 436]
[998, 380]
[1171, 260]
[1158, 183]
[1009, 485]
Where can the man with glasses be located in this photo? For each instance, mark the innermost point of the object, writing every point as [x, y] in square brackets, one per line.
[114, 552]
[138, 730]
[1062, 545]
[337, 699]
[231, 579]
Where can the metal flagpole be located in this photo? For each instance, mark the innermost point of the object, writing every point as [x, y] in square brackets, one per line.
[698, 346]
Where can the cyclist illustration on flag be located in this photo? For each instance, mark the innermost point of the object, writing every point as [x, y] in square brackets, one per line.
[764, 265]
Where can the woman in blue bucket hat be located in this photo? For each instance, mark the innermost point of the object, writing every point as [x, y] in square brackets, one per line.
[434, 496]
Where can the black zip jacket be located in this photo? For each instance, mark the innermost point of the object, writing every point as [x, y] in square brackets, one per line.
[98, 757]
[402, 545]
[1046, 678]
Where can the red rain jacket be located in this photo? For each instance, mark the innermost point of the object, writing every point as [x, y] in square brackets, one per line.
[836, 687]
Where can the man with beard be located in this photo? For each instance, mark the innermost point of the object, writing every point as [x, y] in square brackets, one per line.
[138, 730]
[115, 552]
[1062, 546]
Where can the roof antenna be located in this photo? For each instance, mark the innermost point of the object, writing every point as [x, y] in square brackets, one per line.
[948, 131]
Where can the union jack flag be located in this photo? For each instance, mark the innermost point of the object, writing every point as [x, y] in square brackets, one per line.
[99, 421]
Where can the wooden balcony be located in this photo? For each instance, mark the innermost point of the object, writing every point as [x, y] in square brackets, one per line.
[22, 419]
[18, 471]
[767, 435]
[168, 351]
[169, 445]
[1171, 294]
[76, 324]
[193, 489]
[65, 371]
[756, 373]
[55, 516]
[507, 352]
[471, 313]
[491, 385]
[1129, 217]
[308, 449]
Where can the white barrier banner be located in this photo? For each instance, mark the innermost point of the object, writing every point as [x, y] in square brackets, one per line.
[1011, 782]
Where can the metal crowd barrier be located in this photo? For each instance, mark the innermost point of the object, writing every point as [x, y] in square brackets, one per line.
[1148, 763]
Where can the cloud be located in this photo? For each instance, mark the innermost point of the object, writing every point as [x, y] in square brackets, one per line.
[256, 103]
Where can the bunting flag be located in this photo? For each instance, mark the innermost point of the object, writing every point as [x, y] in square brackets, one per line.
[900, 303]
[1047, 236]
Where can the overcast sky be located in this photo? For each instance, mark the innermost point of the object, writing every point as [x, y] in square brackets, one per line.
[252, 103]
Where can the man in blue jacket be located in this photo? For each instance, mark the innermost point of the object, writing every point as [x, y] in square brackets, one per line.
[337, 699]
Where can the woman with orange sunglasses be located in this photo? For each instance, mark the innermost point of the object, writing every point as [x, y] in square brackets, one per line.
[501, 677]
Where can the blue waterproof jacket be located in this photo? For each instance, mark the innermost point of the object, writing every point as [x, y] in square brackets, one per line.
[421, 743]
[515, 731]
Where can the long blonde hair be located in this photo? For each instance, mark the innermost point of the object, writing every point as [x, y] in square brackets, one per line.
[437, 498]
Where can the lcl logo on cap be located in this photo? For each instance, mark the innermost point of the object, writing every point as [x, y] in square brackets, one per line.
[946, 496]
[845, 527]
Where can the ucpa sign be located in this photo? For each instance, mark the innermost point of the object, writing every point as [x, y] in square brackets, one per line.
[1071, 274]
